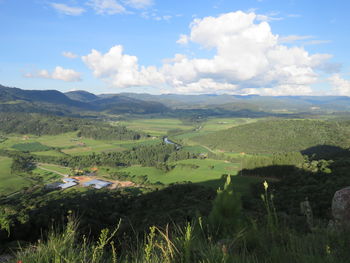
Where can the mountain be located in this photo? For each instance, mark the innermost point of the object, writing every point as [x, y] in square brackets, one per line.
[75, 102]
[46, 96]
[250, 102]
[81, 95]
[114, 103]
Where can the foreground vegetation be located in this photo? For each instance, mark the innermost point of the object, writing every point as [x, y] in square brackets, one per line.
[226, 235]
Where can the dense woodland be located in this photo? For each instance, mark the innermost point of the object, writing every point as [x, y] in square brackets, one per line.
[52, 125]
[280, 135]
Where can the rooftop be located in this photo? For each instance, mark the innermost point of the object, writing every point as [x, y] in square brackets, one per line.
[97, 184]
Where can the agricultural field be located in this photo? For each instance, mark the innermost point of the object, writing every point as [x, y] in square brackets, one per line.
[10, 183]
[206, 172]
[156, 127]
[68, 143]
[202, 171]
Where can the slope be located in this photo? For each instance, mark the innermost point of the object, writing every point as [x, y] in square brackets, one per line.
[278, 136]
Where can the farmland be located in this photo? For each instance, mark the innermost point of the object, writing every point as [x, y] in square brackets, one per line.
[202, 171]
[10, 183]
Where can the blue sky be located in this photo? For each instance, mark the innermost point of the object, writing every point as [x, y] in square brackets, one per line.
[265, 47]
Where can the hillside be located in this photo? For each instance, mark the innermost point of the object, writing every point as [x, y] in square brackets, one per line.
[81, 95]
[58, 103]
[278, 136]
[252, 102]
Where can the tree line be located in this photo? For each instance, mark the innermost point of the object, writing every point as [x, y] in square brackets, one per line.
[38, 124]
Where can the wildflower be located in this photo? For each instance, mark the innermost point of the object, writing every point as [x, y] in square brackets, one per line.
[328, 250]
[19, 261]
[266, 185]
[262, 197]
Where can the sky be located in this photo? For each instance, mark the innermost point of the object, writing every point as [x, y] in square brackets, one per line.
[265, 47]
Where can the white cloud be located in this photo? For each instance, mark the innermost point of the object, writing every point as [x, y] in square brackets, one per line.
[68, 10]
[183, 40]
[317, 42]
[273, 16]
[139, 4]
[121, 70]
[109, 7]
[340, 86]
[69, 54]
[59, 73]
[248, 58]
[154, 15]
[293, 38]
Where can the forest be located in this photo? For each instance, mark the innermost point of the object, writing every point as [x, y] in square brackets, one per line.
[279, 135]
[38, 124]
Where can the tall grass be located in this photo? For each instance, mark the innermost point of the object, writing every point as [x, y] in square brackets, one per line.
[265, 242]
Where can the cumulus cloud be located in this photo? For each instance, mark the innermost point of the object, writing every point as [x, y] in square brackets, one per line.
[69, 54]
[248, 58]
[68, 10]
[109, 7]
[121, 70]
[340, 86]
[59, 73]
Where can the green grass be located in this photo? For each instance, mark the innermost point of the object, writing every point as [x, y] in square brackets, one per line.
[49, 153]
[207, 172]
[156, 127]
[58, 168]
[10, 183]
[30, 147]
[69, 144]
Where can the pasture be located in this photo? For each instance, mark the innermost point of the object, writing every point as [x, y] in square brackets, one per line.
[202, 171]
[10, 183]
[206, 172]
[156, 127]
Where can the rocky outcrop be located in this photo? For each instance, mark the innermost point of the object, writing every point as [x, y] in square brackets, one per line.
[341, 207]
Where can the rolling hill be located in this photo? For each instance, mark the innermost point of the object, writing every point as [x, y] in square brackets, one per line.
[278, 136]
[75, 102]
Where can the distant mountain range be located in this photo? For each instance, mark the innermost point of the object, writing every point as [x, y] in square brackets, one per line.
[55, 102]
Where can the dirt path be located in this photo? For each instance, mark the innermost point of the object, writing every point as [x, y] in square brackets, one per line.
[52, 171]
[206, 147]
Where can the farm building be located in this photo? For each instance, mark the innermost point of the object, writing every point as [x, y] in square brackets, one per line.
[97, 184]
[69, 180]
[67, 185]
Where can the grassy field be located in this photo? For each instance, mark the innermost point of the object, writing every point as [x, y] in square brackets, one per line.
[193, 170]
[70, 144]
[156, 127]
[10, 183]
[58, 168]
[207, 172]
